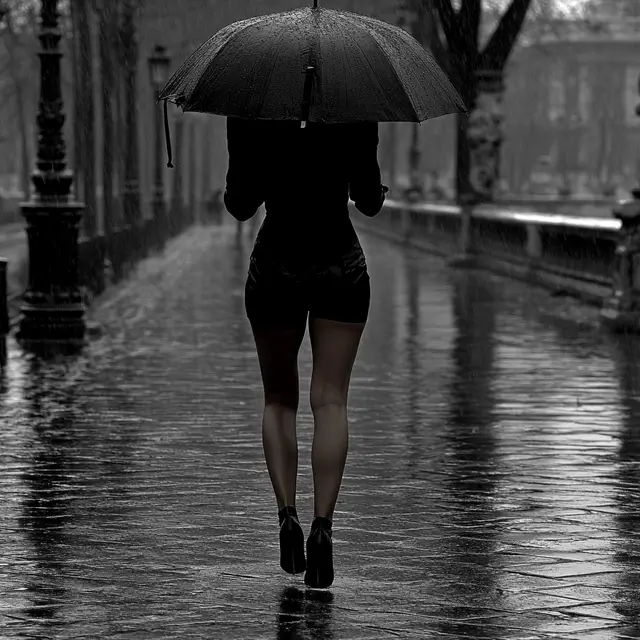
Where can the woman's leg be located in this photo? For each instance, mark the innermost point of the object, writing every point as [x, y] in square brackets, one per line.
[334, 345]
[278, 355]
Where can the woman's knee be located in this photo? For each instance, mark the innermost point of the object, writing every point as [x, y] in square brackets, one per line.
[285, 399]
[324, 394]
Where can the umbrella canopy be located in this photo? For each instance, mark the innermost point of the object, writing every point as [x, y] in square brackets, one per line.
[317, 65]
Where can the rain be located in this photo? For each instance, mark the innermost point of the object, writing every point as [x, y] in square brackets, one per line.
[491, 481]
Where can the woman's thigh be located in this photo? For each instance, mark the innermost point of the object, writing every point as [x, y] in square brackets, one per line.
[335, 346]
[278, 349]
[277, 309]
[341, 290]
[341, 299]
[275, 295]
[340, 296]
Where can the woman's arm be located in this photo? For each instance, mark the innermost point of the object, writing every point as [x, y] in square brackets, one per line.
[244, 193]
[365, 183]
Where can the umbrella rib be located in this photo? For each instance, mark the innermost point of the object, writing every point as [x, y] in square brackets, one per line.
[194, 56]
[219, 51]
[435, 76]
[273, 68]
[395, 73]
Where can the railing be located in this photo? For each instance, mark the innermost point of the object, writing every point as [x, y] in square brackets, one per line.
[566, 252]
[103, 260]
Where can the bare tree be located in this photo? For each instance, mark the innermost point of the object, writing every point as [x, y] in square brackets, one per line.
[107, 20]
[456, 40]
[128, 43]
[20, 86]
[84, 112]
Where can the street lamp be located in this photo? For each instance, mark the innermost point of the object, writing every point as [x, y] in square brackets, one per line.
[52, 311]
[159, 64]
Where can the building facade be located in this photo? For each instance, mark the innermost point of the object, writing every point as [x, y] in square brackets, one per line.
[570, 99]
[570, 103]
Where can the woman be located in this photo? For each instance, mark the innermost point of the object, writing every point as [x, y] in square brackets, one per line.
[306, 261]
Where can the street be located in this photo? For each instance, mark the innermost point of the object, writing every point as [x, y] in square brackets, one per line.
[491, 489]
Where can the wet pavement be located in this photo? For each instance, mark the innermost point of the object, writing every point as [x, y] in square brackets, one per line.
[492, 488]
[13, 248]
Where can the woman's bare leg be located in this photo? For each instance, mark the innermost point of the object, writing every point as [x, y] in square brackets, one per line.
[335, 346]
[278, 356]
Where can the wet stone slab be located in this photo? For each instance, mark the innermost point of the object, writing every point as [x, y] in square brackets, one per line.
[492, 486]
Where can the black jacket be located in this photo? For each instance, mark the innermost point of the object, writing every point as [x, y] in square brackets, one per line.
[303, 176]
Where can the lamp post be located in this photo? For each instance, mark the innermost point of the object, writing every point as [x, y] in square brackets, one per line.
[52, 311]
[159, 64]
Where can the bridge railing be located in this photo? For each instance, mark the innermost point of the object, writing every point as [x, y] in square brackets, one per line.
[568, 252]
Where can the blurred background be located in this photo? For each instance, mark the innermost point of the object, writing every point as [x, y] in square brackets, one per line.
[571, 84]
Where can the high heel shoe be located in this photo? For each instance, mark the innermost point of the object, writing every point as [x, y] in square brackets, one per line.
[319, 574]
[291, 542]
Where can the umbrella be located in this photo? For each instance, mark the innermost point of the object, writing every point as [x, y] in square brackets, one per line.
[313, 65]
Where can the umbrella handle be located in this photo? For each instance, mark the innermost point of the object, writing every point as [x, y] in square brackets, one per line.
[306, 99]
[167, 136]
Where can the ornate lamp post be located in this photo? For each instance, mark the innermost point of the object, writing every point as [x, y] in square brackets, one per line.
[159, 64]
[52, 310]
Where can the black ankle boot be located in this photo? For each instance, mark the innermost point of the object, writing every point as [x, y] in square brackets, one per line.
[319, 573]
[291, 541]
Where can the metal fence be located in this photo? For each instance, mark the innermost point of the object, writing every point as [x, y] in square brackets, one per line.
[567, 251]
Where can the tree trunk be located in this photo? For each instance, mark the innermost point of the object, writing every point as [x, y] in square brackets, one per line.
[118, 145]
[131, 184]
[391, 154]
[25, 160]
[468, 63]
[19, 89]
[466, 83]
[120, 139]
[430, 30]
[463, 159]
[77, 104]
[205, 189]
[177, 206]
[86, 158]
[106, 63]
[192, 144]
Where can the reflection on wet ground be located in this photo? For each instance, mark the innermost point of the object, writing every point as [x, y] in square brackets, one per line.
[492, 488]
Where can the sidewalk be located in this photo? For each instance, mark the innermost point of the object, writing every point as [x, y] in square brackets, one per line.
[491, 488]
[13, 248]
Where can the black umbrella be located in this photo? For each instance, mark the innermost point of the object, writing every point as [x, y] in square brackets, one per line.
[316, 65]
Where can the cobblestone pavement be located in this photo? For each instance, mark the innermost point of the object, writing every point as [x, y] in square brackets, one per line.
[492, 487]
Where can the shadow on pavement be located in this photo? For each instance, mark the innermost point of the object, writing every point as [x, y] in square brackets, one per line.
[305, 614]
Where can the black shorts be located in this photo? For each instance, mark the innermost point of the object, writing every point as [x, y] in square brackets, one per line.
[281, 291]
